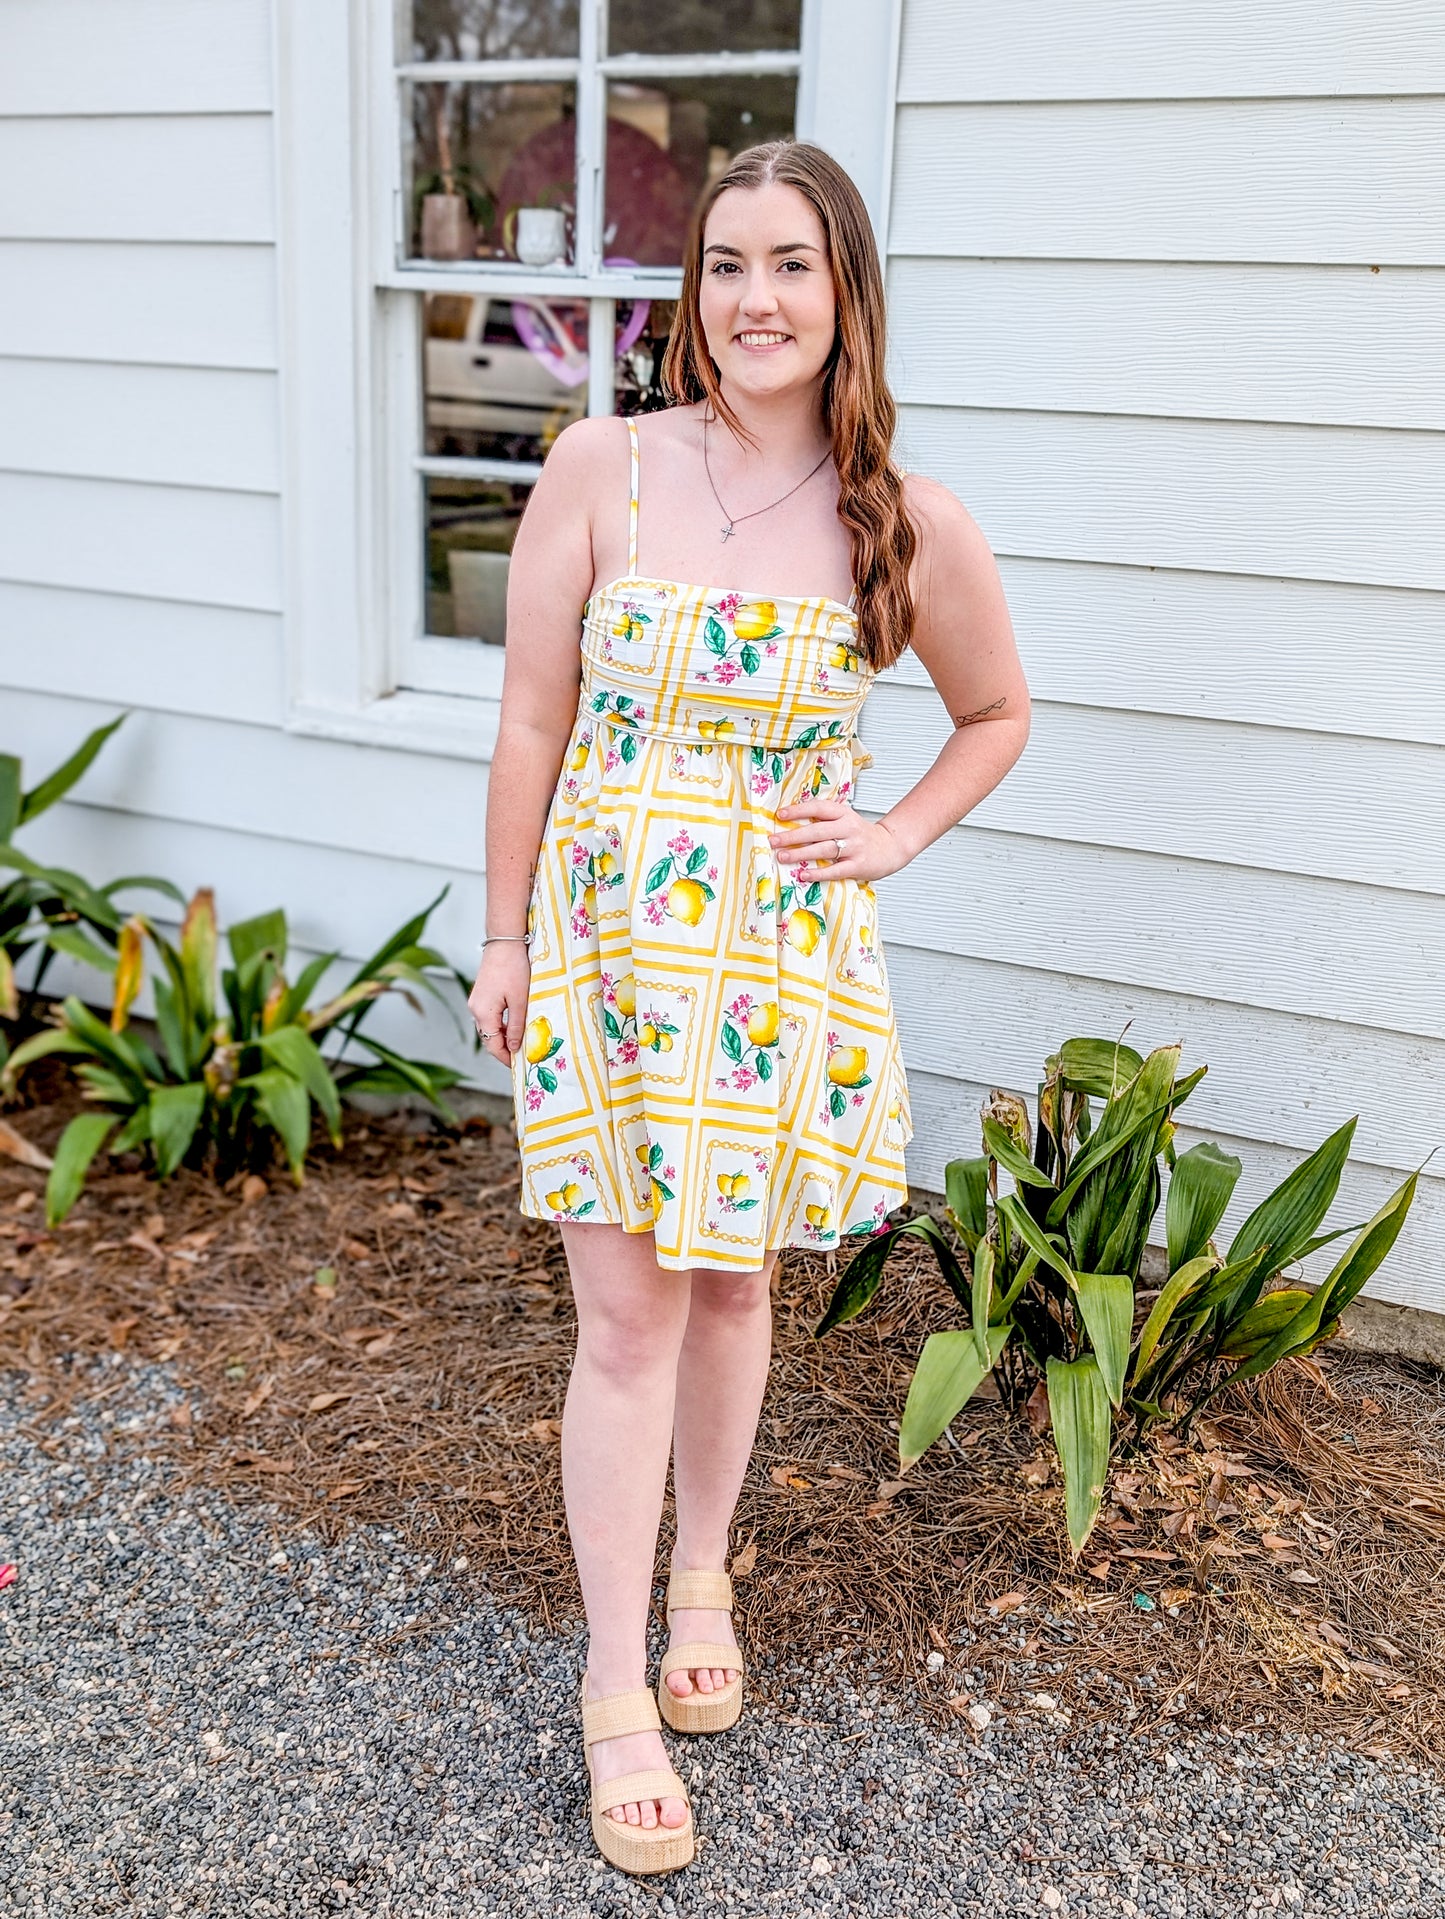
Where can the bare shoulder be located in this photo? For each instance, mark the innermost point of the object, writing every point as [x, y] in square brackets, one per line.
[953, 554]
[588, 454]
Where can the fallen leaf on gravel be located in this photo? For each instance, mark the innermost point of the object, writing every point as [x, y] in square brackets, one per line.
[382, 1343]
[262, 1464]
[321, 1401]
[155, 1225]
[1402, 1691]
[15, 1146]
[1036, 1473]
[1177, 1595]
[357, 1249]
[890, 1488]
[1368, 1405]
[253, 1187]
[496, 1499]
[845, 1472]
[545, 1429]
[1007, 1603]
[1302, 1578]
[367, 1446]
[120, 1330]
[345, 1486]
[744, 1561]
[401, 1209]
[1276, 1542]
[143, 1244]
[168, 1348]
[1099, 1569]
[180, 1416]
[878, 1508]
[1036, 1409]
[256, 1399]
[1147, 1552]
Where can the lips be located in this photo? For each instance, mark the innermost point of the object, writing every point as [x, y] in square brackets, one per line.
[760, 337]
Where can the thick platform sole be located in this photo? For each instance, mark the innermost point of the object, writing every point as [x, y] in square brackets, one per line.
[638, 1849]
[702, 1712]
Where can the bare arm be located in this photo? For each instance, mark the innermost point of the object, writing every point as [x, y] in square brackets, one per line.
[549, 578]
[964, 637]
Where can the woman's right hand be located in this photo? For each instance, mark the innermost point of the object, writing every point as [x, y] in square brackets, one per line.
[498, 1000]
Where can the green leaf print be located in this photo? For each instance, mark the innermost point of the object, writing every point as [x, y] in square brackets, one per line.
[696, 858]
[837, 1103]
[610, 1025]
[581, 1212]
[778, 769]
[744, 1205]
[654, 1156]
[666, 1191]
[732, 1042]
[628, 749]
[659, 875]
[749, 658]
[715, 636]
[764, 1065]
[547, 1081]
[813, 894]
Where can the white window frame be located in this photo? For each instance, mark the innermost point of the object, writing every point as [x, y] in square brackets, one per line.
[353, 464]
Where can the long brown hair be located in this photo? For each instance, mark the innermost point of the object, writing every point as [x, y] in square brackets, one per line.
[857, 404]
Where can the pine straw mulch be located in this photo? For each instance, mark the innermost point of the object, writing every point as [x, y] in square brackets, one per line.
[1283, 1566]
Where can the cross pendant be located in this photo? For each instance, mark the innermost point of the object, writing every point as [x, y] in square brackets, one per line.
[727, 531]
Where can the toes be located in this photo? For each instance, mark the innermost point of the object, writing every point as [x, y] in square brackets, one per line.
[679, 1684]
[649, 1813]
[703, 1679]
[719, 1679]
[674, 1812]
[634, 1814]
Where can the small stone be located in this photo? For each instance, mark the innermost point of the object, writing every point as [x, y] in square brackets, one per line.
[935, 1662]
[1052, 1898]
[979, 1716]
[822, 1866]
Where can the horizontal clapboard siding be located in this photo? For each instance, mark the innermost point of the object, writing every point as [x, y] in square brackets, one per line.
[162, 304]
[945, 1121]
[257, 780]
[183, 426]
[1268, 652]
[1288, 942]
[1123, 49]
[1342, 346]
[1271, 180]
[182, 177]
[171, 656]
[1346, 809]
[1231, 496]
[135, 56]
[163, 542]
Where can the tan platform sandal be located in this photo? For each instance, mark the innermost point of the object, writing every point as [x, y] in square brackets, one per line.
[710, 1711]
[634, 1848]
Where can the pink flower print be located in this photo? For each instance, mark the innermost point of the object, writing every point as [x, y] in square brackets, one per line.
[761, 784]
[712, 872]
[654, 910]
[534, 1098]
[760, 1162]
[562, 1062]
[741, 1006]
[721, 1085]
[627, 1052]
[771, 648]
[729, 604]
[832, 1039]
[612, 760]
[744, 1078]
[701, 676]
[682, 843]
[857, 1099]
[669, 1172]
[579, 853]
[727, 671]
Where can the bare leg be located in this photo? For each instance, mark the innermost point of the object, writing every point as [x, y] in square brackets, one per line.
[616, 1430]
[722, 1374]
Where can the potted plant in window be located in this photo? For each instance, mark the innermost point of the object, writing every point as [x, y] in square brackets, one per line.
[454, 203]
[537, 233]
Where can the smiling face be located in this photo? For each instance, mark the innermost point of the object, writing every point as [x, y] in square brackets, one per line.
[766, 299]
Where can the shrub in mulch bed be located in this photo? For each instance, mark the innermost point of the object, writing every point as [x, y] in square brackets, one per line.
[390, 1344]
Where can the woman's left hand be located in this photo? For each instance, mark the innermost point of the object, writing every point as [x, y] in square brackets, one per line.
[811, 842]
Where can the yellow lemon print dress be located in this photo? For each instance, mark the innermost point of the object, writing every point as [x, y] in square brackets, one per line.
[710, 1052]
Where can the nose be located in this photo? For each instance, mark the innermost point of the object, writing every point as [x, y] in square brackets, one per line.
[759, 296]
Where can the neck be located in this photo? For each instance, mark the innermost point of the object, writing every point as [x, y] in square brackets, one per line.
[787, 429]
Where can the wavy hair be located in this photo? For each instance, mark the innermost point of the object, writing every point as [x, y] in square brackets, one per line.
[857, 406]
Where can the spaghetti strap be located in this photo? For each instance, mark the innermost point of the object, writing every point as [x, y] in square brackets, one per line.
[632, 501]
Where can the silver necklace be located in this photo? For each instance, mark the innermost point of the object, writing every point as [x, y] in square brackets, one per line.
[733, 518]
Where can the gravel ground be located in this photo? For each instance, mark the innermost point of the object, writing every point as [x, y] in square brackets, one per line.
[199, 1714]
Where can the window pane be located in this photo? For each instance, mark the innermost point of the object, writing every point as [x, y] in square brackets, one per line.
[703, 26]
[470, 526]
[666, 139]
[502, 377]
[642, 330]
[493, 170]
[486, 29]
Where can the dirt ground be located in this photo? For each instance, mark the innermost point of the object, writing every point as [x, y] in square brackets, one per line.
[389, 1344]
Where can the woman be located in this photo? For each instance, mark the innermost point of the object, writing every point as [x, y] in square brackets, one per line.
[696, 1016]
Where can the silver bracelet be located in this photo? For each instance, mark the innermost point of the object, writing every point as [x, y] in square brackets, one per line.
[525, 938]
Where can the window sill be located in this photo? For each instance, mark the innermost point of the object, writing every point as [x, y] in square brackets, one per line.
[452, 725]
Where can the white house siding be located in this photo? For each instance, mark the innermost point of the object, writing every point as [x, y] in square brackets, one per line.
[1166, 299]
[1136, 325]
[141, 548]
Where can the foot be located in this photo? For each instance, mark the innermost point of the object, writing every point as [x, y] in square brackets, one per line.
[690, 1624]
[634, 1752]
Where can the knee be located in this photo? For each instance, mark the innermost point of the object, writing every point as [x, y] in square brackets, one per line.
[628, 1339]
[731, 1296]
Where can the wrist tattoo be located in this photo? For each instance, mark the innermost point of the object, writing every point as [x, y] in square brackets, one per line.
[967, 719]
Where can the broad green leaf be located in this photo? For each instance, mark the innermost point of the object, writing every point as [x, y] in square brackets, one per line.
[1285, 1219]
[1176, 1289]
[175, 1114]
[1264, 1319]
[1083, 1430]
[1142, 1105]
[10, 796]
[947, 1376]
[173, 1034]
[1034, 1236]
[119, 1050]
[1368, 1251]
[1011, 1156]
[198, 956]
[1102, 1067]
[288, 1046]
[981, 1304]
[860, 1280]
[285, 1105]
[265, 933]
[41, 1046]
[420, 1075]
[294, 1004]
[405, 936]
[1199, 1191]
[76, 894]
[129, 971]
[1106, 1302]
[78, 945]
[965, 1186]
[64, 777]
[79, 1144]
[146, 882]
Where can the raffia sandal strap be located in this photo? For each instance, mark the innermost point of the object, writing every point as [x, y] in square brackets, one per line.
[617, 1714]
[699, 1592]
[701, 1653]
[633, 1788]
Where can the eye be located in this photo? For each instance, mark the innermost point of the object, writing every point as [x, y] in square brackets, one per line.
[723, 266]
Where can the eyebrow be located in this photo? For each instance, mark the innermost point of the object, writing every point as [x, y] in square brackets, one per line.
[783, 246]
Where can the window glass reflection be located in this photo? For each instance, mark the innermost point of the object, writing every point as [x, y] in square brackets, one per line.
[470, 526]
[485, 29]
[502, 376]
[643, 327]
[703, 26]
[666, 139]
[493, 171]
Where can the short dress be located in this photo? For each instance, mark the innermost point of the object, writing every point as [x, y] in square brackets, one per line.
[710, 1052]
